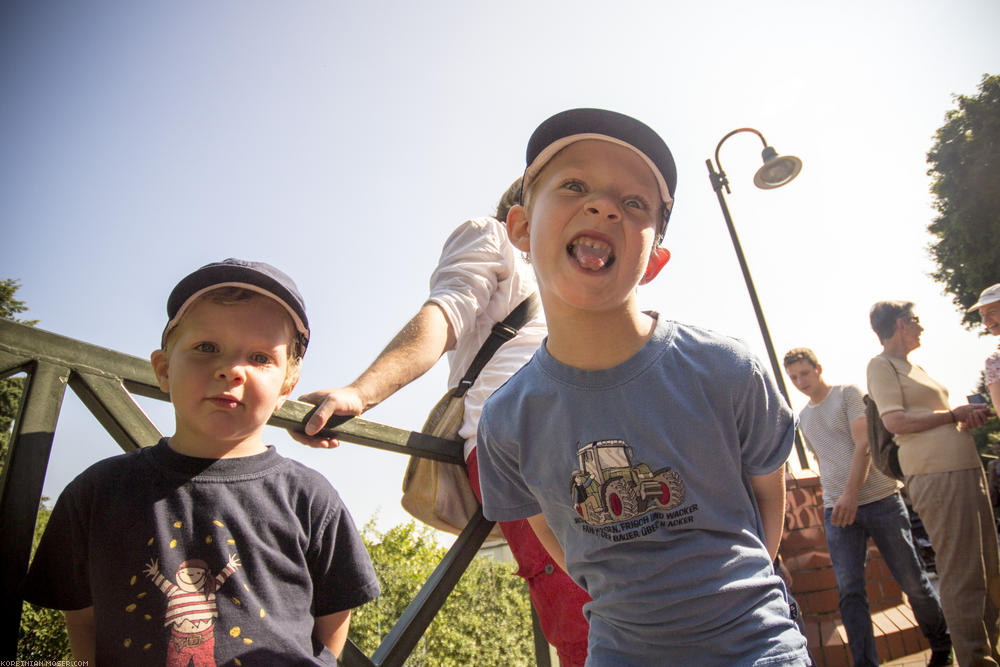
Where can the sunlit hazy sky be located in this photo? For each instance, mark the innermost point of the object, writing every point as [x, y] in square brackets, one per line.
[343, 141]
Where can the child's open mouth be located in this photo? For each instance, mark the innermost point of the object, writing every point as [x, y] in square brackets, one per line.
[590, 253]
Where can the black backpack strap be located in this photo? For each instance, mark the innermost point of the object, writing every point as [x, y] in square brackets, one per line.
[501, 333]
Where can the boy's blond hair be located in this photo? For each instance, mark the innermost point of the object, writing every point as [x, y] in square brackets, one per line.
[510, 198]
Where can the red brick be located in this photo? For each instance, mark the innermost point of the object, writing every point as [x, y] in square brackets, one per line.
[892, 591]
[832, 632]
[809, 559]
[805, 538]
[885, 602]
[820, 602]
[812, 632]
[876, 567]
[818, 580]
[891, 620]
[882, 645]
[896, 648]
[874, 590]
[914, 641]
[835, 656]
[907, 613]
[804, 479]
[803, 517]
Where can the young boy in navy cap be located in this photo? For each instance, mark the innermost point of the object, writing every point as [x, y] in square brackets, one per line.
[209, 547]
[646, 454]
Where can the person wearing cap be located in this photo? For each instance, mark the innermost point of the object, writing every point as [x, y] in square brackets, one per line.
[988, 306]
[944, 480]
[289, 562]
[479, 279]
[647, 454]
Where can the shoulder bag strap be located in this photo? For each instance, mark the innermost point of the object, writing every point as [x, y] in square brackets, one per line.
[501, 333]
[902, 396]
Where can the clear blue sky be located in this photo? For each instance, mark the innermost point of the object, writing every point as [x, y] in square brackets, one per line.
[343, 141]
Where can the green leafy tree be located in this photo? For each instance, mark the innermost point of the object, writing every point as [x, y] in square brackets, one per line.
[10, 388]
[965, 166]
[486, 620]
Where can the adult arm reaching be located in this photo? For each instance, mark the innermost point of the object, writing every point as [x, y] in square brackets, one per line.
[410, 354]
[969, 416]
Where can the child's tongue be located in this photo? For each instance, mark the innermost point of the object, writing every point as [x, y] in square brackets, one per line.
[590, 257]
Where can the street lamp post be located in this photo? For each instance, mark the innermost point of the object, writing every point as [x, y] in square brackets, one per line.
[776, 171]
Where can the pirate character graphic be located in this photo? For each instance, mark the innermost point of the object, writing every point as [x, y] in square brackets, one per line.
[607, 488]
[191, 609]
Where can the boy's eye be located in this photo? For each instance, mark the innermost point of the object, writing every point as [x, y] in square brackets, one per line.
[636, 202]
[206, 347]
[575, 186]
[260, 358]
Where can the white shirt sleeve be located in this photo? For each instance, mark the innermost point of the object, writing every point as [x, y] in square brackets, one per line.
[472, 264]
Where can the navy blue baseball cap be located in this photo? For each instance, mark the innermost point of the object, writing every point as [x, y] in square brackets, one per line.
[255, 276]
[567, 127]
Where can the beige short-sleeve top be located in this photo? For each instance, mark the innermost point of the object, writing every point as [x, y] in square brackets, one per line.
[940, 449]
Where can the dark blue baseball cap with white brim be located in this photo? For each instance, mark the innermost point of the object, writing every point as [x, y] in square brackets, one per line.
[257, 277]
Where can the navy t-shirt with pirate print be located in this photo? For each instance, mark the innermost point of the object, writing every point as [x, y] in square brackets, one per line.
[641, 471]
[208, 560]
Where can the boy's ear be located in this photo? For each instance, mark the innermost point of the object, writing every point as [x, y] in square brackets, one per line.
[518, 227]
[286, 390]
[159, 360]
[657, 260]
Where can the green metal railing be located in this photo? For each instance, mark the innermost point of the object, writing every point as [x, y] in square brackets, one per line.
[105, 382]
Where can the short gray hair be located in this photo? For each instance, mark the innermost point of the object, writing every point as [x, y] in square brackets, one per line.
[884, 314]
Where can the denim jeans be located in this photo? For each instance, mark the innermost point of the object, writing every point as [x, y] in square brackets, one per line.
[887, 523]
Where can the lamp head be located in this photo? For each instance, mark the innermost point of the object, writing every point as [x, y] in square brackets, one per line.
[777, 170]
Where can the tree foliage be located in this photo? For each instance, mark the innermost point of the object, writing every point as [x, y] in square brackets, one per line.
[486, 620]
[965, 166]
[10, 388]
[9, 306]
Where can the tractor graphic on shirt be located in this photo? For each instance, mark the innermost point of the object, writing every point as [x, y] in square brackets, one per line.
[608, 487]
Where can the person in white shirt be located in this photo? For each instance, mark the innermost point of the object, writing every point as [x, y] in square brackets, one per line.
[480, 278]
